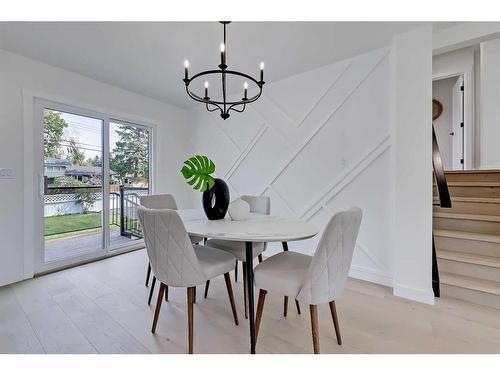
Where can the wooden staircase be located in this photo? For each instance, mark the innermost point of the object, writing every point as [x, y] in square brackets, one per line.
[468, 238]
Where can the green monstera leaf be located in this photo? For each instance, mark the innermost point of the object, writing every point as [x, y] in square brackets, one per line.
[197, 171]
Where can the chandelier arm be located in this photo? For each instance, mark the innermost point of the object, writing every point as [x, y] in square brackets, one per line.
[213, 109]
[232, 108]
[203, 100]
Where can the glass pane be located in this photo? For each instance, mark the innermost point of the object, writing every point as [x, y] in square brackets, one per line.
[73, 185]
[129, 170]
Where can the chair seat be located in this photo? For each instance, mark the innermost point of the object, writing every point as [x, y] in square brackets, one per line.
[282, 273]
[237, 248]
[214, 262]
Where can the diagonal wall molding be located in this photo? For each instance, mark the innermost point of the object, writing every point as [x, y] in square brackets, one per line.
[308, 139]
[336, 187]
[260, 133]
[324, 94]
[280, 144]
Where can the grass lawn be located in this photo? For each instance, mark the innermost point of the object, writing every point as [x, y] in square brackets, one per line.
[71, 223]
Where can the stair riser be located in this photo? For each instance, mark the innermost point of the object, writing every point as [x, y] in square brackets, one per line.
[467, 269]
[463, 225]
[473, 177]
[474, 208]
[473, 296]
[473, 191]
[468, 246]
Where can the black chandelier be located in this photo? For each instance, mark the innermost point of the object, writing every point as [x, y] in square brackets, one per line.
[223, 105]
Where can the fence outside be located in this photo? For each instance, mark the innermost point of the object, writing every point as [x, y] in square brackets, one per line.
[123, 203]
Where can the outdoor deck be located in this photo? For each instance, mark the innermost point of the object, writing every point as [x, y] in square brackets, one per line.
[81, 244]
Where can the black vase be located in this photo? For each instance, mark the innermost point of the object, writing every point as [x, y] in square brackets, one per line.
[216, 200]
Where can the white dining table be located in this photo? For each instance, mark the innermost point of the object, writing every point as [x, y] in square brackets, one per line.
[257, 228]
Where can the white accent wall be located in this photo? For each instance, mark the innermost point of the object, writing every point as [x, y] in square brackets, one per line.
[19, 75]
[320, 142]
[489, 132]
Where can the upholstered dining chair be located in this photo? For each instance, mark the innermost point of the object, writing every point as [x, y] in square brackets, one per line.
[177, 262]
[160, 201]
[260, 205]
[316, 279]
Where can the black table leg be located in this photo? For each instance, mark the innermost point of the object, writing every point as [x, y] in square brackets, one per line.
[249, 274]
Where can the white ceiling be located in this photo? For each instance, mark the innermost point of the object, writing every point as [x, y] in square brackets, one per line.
[147, 57]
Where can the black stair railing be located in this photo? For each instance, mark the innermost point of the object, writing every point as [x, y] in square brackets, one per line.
[444, 201]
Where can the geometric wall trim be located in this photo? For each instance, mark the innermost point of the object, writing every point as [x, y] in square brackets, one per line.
[316, 143]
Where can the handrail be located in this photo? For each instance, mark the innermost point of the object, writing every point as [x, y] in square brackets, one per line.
[444, 201]
[442, 185]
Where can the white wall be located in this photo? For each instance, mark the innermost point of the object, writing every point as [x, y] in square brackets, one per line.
[442, 91]
[489, 133]
[320, 141]
[412, 137]
[18, 75]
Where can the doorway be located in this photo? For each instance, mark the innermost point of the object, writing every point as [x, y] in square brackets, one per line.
[92, 170]
[449, 120]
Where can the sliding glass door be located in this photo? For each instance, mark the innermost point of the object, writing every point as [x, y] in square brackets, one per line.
[129, 163]
[92, 173]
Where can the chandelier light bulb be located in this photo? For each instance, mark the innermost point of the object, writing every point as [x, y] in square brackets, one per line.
[262, 65]
[245, 85]
[186, 64]
[206, 84]
[222, 47]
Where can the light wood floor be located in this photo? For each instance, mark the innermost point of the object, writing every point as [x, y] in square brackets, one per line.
[101, 307]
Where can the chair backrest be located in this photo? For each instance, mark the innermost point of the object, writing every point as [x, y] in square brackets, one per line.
[170, 251]
[159, 201]
[260, 205]
[329, 268]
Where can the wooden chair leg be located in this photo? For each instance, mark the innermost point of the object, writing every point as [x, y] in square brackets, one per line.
[229, 288]
[298, 306]
[260, 258]
[207, 285]
[335, 318]
[245, 289]
[152, 290]
[158, 307]
[148, 274]
[190, 300]
[166, 293]
[285, 306]
[236, 272]
[260, 309]
[314, 327]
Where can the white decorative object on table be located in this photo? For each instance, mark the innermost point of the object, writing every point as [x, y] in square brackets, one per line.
[239, 210]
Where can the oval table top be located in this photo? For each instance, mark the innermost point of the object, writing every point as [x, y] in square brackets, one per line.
[257, 228]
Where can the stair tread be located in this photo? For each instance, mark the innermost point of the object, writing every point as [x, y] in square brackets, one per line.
[472, 199]
[482, 260]
[471, 283]
[473, 183]
[474, 171]
[467, 235]
[454, 215]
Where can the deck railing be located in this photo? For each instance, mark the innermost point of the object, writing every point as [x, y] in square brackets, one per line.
[123, 203]
[129, 201]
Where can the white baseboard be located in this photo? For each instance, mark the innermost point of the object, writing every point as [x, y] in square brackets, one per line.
[371, 275]
[414, 294]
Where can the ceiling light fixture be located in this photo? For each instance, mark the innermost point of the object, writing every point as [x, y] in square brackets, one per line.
[223, 105]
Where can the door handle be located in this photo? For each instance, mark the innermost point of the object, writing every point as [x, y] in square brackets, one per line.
[452, 133]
